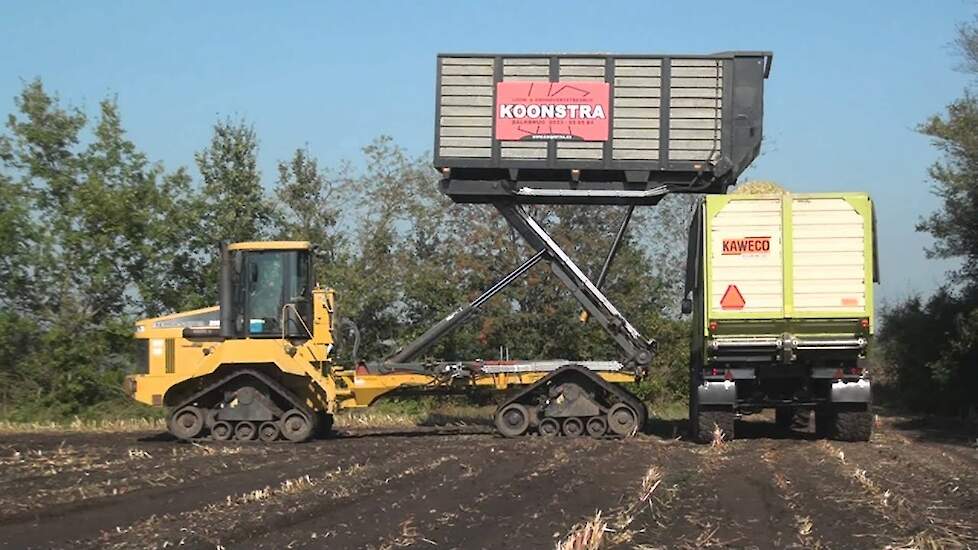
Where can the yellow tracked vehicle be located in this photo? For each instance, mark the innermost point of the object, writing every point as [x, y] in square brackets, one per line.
[260, 365]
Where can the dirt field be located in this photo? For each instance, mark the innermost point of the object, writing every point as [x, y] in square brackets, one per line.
[913, 486]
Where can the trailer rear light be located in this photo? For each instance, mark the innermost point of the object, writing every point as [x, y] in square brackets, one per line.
[713, 326]
[856, 371]
[728, 375]
[864, 323]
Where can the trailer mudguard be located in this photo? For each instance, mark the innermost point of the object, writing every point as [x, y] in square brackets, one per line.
[856, 391]
[717, 393]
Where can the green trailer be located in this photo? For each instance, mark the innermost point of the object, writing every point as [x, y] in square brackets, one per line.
[780, 288]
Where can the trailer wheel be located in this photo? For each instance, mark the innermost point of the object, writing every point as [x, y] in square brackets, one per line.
[852, 423]
[708, 421]
[824, 421]
[784, 417]
[512, 420]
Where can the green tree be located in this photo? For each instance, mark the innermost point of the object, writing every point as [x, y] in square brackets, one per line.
[87, 228]
[930, 345]
[19, 236]
[955, 176]
[235, 205]
[311, 203]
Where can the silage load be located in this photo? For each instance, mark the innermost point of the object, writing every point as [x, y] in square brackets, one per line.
[759, 187]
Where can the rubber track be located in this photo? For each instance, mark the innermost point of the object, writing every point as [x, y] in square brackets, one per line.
[272, 384]
[623, 395]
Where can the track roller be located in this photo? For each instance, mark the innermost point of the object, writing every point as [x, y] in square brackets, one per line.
[573, 427]
[512, 420]
[222, 431]
[268, 431]
[187, 423]
[549, 427]
[245, 431]
[623, 419]
[296, 426]
[597, 426]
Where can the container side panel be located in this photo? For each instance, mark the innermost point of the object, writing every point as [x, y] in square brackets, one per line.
[637, 109]
[465, 105]
[595, 128]
[745, 258]
[828, 256]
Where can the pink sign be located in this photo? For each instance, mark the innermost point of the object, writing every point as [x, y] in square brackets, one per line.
[552, 110]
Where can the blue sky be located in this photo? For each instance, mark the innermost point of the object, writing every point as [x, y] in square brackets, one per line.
[850, 82]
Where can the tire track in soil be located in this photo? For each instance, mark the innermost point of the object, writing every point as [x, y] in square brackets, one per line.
[59, 492]
[237, 524]
[930, 507]
[25, 465]
[527, 507]
[806, 535]
[729, 501]
[385, 507]
[500, 504]
[87, 518]
[840, 516]
[956, 463]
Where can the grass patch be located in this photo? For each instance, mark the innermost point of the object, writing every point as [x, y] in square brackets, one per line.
[82, 425]
[411, 412]
[669, 410]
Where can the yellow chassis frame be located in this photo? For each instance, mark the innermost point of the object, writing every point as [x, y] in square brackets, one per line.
[323, 385]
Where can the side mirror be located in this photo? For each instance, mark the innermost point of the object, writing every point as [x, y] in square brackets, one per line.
[687, 306]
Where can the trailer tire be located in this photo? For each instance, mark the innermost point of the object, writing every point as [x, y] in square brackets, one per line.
[784, 418]
[824, 421]
[709, 420]
[852, 424]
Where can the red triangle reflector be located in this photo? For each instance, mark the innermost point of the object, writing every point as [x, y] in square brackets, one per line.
[732, 298]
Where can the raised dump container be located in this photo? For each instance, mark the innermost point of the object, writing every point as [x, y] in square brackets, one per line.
[781, 291]
[596, 128]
